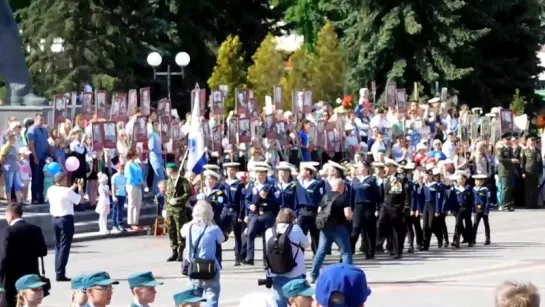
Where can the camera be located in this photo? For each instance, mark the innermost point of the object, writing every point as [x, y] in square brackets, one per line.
[267, 282]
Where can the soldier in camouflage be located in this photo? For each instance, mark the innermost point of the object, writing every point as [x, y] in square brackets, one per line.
[531, 166]
[178, 193]
[506, 170]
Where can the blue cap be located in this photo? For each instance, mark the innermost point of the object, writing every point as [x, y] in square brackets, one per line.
[98, 279]
[78, 282]
[346, 279]
[31, 281]
[187, 297]
[144, 279]
[297, 287]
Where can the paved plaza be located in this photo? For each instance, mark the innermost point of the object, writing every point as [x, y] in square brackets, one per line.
[446, 278]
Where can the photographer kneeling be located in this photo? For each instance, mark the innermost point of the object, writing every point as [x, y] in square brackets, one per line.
[286, 244]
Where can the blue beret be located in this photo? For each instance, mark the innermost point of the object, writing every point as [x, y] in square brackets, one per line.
[98, 279]
[297, 287]
[144, 279]
[346, 279]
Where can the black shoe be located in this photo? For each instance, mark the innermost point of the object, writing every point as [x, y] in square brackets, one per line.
[464, 241]
[410, 250]
[440, 244]
[456, 245]
[180, 257]
[487, 242]
[397, 256]
[361, 249]
[470, 245]
[237, 262]
[367, 256]
[173, 257]
[248, 262]
[62, 278]
[446, 244]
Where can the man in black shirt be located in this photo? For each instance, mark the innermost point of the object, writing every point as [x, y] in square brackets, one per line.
[333, 221]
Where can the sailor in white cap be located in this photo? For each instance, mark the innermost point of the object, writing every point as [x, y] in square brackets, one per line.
[396, 193]
[432, 195]
[481, 208]
[262, 206]
[285, 186]
[233, 211]
[410, 209]
[366, 201]
[309, 193]
[466, 200]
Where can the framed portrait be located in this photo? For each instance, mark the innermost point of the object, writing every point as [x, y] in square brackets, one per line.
[217, 103]
[297, 102]
[233, 130]
[100, 104]
[132, 103]
[401, 97]
[277, 97]
[224, 89]
[244, 130]
[307, 102]
[506, 121]
[59, 111]
[97, 136]
[145, 101]
[140, 129]
[281, 132]
[114, 110]
[390, 94]
[241, 101]
[87, 105]
[165, 129]
[110, 134]
[270, 127]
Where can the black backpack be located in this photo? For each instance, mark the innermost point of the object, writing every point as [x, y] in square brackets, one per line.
[325, 212]
[279, 255]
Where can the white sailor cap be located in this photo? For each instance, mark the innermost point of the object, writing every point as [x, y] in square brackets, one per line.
[260, 169]
[262, 164]
[409, 166]
[284, 166]
[477, 110]
[337, 166]
[231, 164]
[390, 162]
[308, 166]
[490, 115]
[434, 100]
[210, 173]
[313, 163]
[349, 126]
[480, 176]
[430, 166]
[211, 167]
[215, 154]
[459, 174]
[436, 171]
[377, 164]
[453, 177]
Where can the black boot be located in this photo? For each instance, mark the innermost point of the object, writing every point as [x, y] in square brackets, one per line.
[487, 242]
[174, 256]
[180, 257]
[237, 261]
[410, 250]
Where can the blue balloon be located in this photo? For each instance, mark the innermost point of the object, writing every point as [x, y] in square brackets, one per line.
[53, 168]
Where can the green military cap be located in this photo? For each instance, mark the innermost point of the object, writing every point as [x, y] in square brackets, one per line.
[144, 279]
[171, 165]
[507, 135]
[78, 282]
[531, 136]
[297, 287]
[187, 297]
[31, 281]
[98, 279]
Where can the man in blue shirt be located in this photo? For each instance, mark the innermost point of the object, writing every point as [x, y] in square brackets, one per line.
[37, 142]
[156, 155]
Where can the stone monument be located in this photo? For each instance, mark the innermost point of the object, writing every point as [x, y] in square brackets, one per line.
[13, 67]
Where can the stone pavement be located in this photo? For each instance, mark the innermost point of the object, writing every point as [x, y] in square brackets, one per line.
[446, 278]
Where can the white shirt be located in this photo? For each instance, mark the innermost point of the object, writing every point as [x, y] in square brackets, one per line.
[297, 237]
[62, 200]
[15, 221]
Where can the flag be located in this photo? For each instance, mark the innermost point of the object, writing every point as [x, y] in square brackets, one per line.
[196, 158]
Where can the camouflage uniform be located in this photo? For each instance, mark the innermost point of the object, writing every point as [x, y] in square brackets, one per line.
[176, 214]
[506, 172]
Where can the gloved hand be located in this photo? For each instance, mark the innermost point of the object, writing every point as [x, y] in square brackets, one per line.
[172, 201]
[200, 196]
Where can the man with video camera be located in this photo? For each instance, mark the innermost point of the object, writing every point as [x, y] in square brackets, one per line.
[285, 257]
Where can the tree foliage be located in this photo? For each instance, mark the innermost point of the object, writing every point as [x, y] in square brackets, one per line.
[229, 69]
[267, 69]
[328, 66]
[518, 104]
[297, 76]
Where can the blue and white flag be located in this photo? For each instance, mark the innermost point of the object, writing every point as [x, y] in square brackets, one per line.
[196, 158]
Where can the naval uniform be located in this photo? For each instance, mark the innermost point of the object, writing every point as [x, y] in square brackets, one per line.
[412, 220]
[481, 209]
[433, 194]
[365, 199]
[232, 212]
[466, 200]
[396, 192]
[263, 217]
[308, 195]
[286, 194]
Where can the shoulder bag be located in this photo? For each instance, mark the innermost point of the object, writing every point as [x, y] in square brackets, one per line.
[202, 269]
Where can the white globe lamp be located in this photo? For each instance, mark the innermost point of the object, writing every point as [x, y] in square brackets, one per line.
[154, 59]
[182, 59]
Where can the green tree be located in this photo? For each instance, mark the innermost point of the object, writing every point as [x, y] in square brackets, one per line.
[404, 41]
[296, 77]
[519, 103]
[267, 69]
[328, 66]
[505, 60]
[229, 69]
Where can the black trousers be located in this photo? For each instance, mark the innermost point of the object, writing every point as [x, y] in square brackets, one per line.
[393, 226]
[414, 228]
[364, 223]
[463, 217]
[430, 226]
[476, 221]
[307, 221]
[64, 233]
[442, 226]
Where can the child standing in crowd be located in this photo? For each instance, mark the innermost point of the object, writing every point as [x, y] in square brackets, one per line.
[119, 193]
[48, 175]
[103, 206]
[160, 197]
[24, 171]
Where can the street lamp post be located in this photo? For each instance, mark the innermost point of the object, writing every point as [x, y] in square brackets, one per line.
[154, 60]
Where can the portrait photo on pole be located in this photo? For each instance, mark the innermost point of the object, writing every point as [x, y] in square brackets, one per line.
[140, 129]
[123, 101]
[114, 111]
[307, 102]
[390, 94]
[87, 105]
[241, 101]
[270, 127]
[232, 126]
[145, 101]
[281, 133]
[506, 121]
[402, 106]
[224, 89]
[244, 133]
[110, 134]
[165, 130]
[133, 102]
[161, 105]
[97, 136]
[59, 112]
[277, 97]
[217, 103]
[100, 104]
